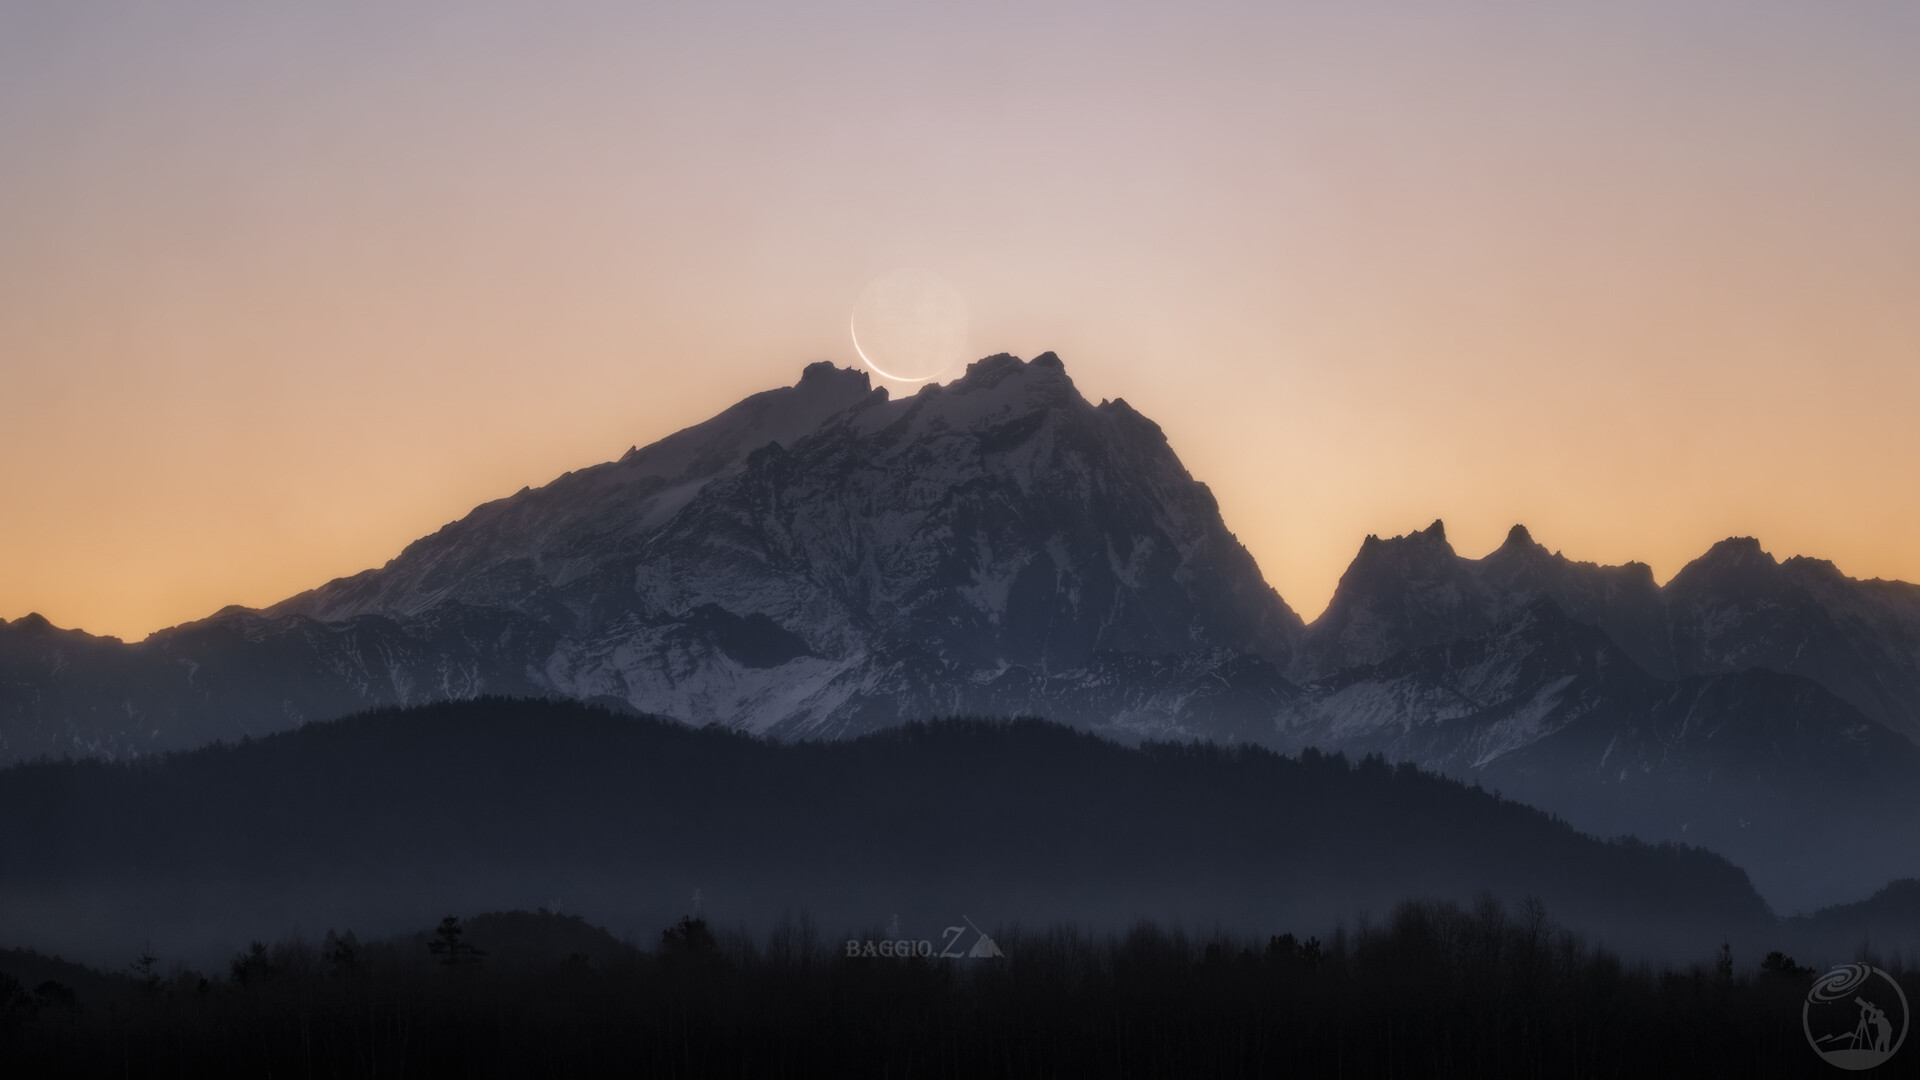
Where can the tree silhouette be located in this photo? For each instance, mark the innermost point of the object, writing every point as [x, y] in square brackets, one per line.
[143, 968]
[447, 946]
[342, 954]
[251, 966]
[1461, 991]
[689, 937]
[1779, 963]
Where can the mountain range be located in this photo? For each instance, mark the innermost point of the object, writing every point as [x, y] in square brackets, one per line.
[823, 561]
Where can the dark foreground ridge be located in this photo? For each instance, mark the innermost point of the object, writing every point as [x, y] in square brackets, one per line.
[388, 819]
[1434, 989]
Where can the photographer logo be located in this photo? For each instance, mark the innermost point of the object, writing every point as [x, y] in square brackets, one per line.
[983, 948]
[1855, 1017]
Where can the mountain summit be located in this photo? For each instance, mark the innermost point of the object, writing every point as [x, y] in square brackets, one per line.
[511, 552]
[1413, 591]
[824, 558]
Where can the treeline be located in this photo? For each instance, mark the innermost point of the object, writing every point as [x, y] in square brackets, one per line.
[386, 819]
[1436, 989]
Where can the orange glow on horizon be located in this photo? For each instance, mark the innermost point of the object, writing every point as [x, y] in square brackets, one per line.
[281, 293]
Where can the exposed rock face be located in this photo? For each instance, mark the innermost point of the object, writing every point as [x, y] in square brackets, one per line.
[516, 552]
[817, 559]
[1815, 799]
[1735, 608]
[1413, 591]
[1766, 709]
[1732, 609]
[243, 673]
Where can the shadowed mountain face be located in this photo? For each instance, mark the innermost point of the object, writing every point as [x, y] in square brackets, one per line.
[1000, 520]
[1749, 705]
[1413, 591]
[522, 552]
[816, 559]
[242, 673]
[1730, 610]
[1735, 608]
[1816, 800]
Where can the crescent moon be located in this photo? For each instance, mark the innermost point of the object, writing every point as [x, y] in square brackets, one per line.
[869, 360]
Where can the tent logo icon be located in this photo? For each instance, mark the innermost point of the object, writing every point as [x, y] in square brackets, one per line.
[952, 940]
[983, 948]
[1855, 1017]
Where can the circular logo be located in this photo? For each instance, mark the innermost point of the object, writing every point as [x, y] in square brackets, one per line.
[1855, 1016]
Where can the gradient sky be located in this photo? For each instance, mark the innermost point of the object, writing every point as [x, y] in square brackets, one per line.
[283, 289]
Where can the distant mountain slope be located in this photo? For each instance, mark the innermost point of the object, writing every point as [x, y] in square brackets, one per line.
[1765, 709]
[817, 559]
[1732, 609]
[1815, 799]
[1736, 608]
[1888, 922]
[998, 519]
[522, 552]
[1413, 591]
[244, 673]
[389, 819]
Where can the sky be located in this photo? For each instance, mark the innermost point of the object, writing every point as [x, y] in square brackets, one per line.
[284, 287]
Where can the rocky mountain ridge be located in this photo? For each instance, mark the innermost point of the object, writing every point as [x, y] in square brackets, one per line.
[817, 560]
[1733, 609]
